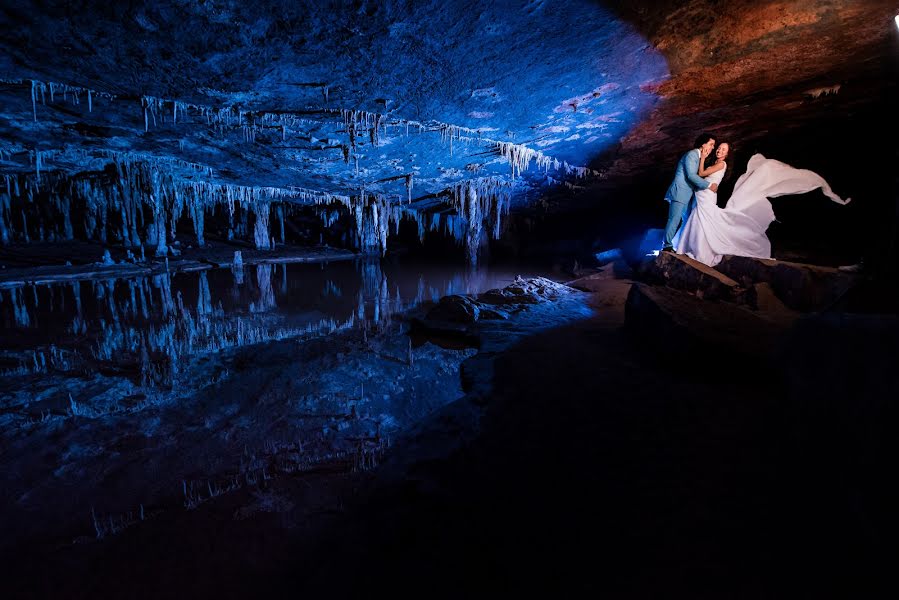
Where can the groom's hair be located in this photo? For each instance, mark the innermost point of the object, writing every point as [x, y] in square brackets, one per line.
[702, 139]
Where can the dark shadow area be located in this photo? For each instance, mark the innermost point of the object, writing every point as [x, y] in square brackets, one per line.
[605, 466]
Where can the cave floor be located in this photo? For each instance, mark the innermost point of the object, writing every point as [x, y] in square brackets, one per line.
[596, 465]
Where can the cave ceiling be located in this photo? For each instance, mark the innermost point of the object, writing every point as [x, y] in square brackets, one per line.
[337, 97]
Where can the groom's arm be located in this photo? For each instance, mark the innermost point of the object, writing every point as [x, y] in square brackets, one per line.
[692, 165]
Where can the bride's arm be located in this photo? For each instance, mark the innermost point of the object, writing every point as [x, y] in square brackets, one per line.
[703, 172]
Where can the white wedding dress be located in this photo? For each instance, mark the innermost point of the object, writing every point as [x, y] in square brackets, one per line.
[739, 229]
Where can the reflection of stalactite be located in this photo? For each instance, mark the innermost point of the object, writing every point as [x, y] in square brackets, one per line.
[266, 291]
[20, 310]
[237, 267]
[129, 324]
[204, 299]
[4, 217]
[163, 283]
[371, 274]
[374, 287]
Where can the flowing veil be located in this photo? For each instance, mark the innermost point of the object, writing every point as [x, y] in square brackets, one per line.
[767, 178]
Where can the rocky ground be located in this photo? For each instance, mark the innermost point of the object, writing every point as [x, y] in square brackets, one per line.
[665, 432]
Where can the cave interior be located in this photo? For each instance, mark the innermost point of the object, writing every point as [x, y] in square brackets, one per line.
[338, 296]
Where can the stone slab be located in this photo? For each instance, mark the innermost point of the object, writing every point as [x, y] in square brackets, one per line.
[683, 273]
[799, 286]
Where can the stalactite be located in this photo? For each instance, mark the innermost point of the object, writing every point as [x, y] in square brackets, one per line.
[38, 163]
[355, 121]
[36, 88]
[480, 204]
[520, 157]
[260, 230]
[163, 283]
[197, 211]
[242, 222]
[139, 181]
[166, 188]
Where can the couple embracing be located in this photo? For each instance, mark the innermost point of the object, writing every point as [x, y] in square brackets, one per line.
[710, 232]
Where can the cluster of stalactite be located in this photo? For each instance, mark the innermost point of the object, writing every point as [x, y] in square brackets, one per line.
[137, 201]
[480, 206]
[132, 203]
[482, 203]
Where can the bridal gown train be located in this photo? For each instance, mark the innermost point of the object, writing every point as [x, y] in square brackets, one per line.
[739, 229]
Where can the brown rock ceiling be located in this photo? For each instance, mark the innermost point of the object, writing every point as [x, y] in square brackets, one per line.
[748, 69]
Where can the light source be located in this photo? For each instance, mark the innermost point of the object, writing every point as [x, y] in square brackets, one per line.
[897, 20]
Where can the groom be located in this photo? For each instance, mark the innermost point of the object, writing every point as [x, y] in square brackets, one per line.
[686, 182]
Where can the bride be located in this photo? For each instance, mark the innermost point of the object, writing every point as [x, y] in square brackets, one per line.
[739, 229]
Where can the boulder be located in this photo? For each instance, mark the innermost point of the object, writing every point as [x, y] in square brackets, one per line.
[683, 273]
[455, 309]
[462, 316]
[799, 286]
[525, 291]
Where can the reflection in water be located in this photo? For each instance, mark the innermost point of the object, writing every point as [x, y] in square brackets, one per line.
[146, 327]
[139, 390]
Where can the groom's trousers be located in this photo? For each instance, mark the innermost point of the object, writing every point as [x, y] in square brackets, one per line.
[677, 212]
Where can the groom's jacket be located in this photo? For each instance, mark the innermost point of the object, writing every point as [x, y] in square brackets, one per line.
[686, 179]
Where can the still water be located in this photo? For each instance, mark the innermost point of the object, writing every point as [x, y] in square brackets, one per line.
[153, 324]
[123, 398]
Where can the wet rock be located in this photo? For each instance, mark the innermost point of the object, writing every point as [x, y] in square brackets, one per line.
[464, 316]
[799, 286]
[463, 310]
[683, 273]
[525, 291]
[455, 309]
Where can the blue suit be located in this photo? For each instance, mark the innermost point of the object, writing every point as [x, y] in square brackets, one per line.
[680, 192]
